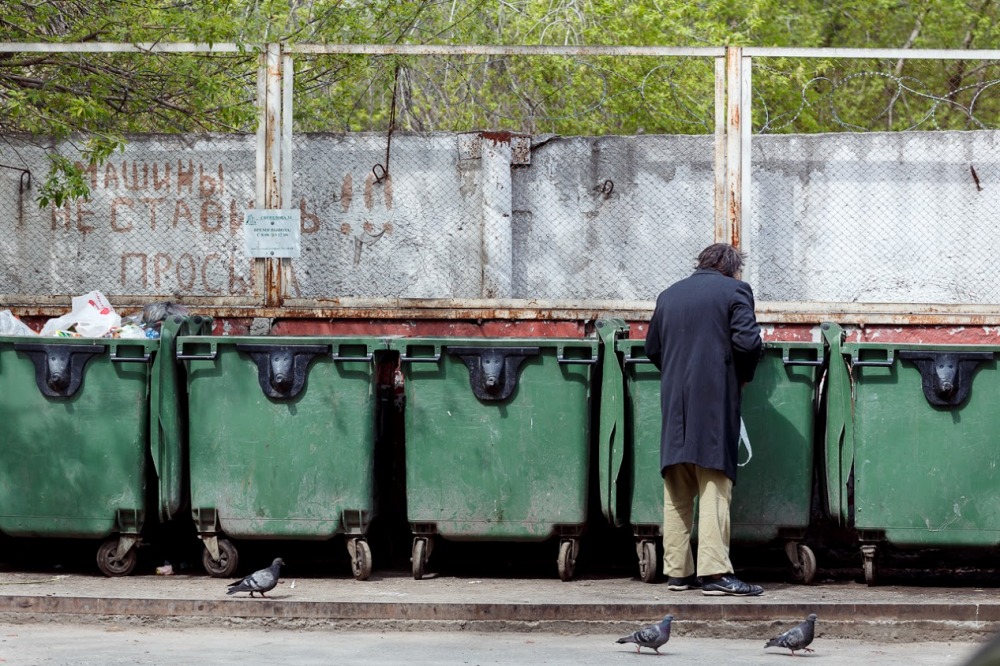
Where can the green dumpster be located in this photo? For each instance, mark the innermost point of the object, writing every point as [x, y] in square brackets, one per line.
[281, 433]
[497, 441]
[773, 493]
[82, 416]
[922, 439]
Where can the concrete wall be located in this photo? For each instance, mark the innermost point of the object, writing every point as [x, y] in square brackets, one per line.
[905, 217]
[900, 217]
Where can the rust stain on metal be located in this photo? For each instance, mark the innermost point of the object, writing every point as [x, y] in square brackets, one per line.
[497, 137]
[432, 328]
[272, 280]
[938, 335]
[791, 333]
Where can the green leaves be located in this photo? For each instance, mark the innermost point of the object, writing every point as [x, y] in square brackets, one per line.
[99, 98]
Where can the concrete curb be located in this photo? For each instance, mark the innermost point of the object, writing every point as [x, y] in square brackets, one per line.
[877, 621]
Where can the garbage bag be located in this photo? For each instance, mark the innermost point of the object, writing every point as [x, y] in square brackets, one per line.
[11, 325]
[91, 317]
[155, 313]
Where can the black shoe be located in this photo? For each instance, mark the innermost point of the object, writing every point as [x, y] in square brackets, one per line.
[691, 582]
[729, 585]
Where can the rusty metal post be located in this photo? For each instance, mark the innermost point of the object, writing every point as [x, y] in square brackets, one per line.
[721, 216]
[734, 146]
[739, 238]
[287, 280]
[273, 271]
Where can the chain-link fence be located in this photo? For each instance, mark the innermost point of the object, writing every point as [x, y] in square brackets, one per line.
[501, 176]
[875, 180]
[495, 174]
[163, 215]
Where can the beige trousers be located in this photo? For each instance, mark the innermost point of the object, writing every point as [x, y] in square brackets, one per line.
[714, 490]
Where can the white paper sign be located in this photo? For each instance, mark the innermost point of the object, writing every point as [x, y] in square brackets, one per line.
[272, 233]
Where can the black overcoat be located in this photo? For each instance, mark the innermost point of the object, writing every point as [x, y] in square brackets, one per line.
[705, 340]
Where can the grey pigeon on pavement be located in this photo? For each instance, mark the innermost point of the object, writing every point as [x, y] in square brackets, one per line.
[259, 581]
[653, 636]
[796, 638]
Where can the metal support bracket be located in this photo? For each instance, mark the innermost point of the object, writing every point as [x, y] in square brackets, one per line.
[355, 522]
[125, 544]
[211, 542]
[206, 521]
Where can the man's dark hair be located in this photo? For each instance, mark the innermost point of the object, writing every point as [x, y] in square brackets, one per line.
[721, 257]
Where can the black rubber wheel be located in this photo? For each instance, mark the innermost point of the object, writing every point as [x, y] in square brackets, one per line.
[226, 565]
[109, 563]
[419, 558]
[647, 562]
[871, 571]
[361, 562]
[566, 562]
[805, 572]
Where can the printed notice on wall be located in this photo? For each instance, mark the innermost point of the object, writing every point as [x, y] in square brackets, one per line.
[272, 233]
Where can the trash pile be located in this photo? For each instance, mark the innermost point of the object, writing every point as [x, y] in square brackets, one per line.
[91, 316]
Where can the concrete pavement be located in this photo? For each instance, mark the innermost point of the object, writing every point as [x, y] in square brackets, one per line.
[114, 643]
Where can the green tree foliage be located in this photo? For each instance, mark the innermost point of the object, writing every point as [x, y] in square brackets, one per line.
[92, 101]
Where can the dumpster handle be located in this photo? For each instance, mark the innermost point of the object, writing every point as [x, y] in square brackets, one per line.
[334, 356]
[131, 359]
[787, 359]
[584, 361]
[420, 359]
[636, 359]
[888, 362]
[196, 357]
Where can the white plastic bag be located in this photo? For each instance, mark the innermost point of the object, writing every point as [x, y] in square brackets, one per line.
[92, 317]
[745, 441]
[11, 325]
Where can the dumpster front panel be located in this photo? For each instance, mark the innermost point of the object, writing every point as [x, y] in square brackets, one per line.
[774, 487]
[70, 463]
[926, 474]
[280, 467]
[511, 468]
[642, 427]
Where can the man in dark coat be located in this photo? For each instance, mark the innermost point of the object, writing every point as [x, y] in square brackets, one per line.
[704, 339]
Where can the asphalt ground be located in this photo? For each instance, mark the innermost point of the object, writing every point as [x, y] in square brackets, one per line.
[112, 643]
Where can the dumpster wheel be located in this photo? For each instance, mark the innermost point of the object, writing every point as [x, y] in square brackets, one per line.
[228, 560]
[804, 566]
[567, 559]
[110, 564]
[419, 557]
[868, 555]
[647, 561]
[361, 558]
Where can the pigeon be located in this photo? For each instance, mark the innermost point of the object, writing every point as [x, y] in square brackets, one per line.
[259, 581]
[653, 636]
[796, 638]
